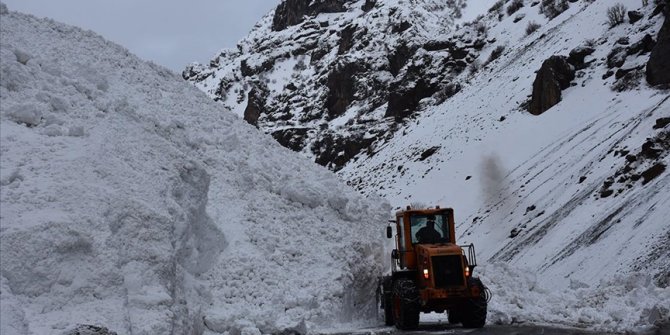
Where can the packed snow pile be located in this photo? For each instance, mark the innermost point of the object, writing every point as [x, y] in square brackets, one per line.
[131, 201]
[618, 304]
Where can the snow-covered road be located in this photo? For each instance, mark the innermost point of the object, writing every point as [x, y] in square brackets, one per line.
[442, 327]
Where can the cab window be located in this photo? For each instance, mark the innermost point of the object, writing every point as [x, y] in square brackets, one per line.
[420, 221]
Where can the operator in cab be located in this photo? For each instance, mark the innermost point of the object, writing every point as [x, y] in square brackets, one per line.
[429, 234]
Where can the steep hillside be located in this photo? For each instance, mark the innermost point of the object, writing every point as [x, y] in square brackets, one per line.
[535, 120]
[132, 203]
[580, 191]
[543, 123]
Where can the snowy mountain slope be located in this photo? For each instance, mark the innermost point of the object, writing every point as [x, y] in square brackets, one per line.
[563, 205]
[555, 162]
[578, 193]
[343, 76]
[131, 201]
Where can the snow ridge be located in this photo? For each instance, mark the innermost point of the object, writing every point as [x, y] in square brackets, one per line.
[131, 201]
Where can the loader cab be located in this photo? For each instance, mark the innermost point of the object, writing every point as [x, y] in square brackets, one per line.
[409, 223]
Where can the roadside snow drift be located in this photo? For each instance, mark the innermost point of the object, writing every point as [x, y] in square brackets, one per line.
[131, 201]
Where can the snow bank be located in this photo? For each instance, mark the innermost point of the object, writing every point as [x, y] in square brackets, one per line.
[131, 201]
[622, 303]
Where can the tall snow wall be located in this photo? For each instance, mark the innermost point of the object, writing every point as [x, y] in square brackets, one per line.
[131, 201]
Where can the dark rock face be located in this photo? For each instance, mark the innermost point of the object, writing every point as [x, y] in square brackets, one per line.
[189, 72]
[317, 54]
[254, 107]
[627, 79]
[403, 100]
[662, 122]
[554, 75]
[341, 88]
[577, 55]
[658, 66]
[369, 5]
[660, 7]
[404, 25]
[646, 44]
[439, 45]
[249, 71]
[428, 152]
[652, 172]
[193, 72]
[346, 39]
[620, 73]
[634, 16]
[616, 57]
[333, 151]
[292, 12]
[289, 13]
[292, 138]
[399, 57]
[414, 84]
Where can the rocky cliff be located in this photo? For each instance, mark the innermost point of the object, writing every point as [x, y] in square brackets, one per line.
[331, 78]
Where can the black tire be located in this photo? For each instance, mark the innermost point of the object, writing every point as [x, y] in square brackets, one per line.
[405, 304]
[388, 309]
[453, 317]
[474, 311]
[385, 298]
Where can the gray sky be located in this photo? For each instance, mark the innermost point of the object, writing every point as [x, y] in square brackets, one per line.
[172, 33]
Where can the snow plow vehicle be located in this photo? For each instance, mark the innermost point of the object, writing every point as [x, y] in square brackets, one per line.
[430, 272]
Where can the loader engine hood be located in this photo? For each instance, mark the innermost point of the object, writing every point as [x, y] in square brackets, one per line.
[429, 250]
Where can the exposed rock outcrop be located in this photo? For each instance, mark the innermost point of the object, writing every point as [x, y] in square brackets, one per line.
[318, 83]
[292, 138]
[645, 45]
[634, 16]
[292, 12]
[616, 57]
[404, 99]
[658, 66]
[341, 88]
[254, 107]
[554, 76]
[428, 152]
[346, 39]
[333, 150]
[399, 57]
[577, 56]
[368, 5]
